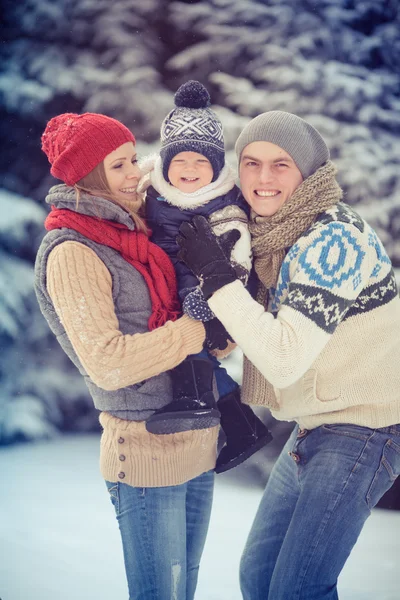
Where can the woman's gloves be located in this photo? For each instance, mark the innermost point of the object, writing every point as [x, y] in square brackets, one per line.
[216, 335]
[202, 253]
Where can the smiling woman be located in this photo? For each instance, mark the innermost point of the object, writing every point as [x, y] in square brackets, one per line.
[116, 178]
[123, 174]
[110, 296]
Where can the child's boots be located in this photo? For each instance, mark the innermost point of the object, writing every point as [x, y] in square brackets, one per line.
[194, 405]
[245, 432]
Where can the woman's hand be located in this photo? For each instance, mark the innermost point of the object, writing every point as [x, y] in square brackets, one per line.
[217, 336]
[202, 253]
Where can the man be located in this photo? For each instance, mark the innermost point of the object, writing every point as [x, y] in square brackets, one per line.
[322, 348]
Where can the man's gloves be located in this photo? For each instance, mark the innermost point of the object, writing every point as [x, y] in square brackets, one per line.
[216, 335]
[202, 253]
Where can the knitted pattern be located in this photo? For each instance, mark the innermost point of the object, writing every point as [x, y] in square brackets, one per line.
[150, 260]
[98, 305]
[328, 348]
[272, 235]
[192, 127]
[300, 139]
[76, 144]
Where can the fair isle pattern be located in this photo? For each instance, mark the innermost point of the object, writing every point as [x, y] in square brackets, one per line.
[339, 212]
[376, 243]
[324, 308]
[200, 126]
[333, 258]
[279, 294]
[325, 266]
[375, 295]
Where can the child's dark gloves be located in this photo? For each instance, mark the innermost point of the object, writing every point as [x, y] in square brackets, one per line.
[216, 335]
[202, 253]
[228, 240]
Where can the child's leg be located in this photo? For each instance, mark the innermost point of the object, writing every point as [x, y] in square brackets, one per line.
[245, 432]
[193, 405]
[225, 383]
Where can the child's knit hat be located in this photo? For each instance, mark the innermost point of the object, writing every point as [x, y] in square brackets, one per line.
[76, 144]
[300, 139]
[192, 127]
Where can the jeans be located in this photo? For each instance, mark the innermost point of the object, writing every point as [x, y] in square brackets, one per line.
[163, 532]
[320, 493]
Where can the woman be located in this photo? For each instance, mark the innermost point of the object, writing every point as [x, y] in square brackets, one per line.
[322, 348]
[109, 295]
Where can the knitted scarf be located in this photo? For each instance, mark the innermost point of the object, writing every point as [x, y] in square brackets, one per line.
[271, 236]
[134, 247]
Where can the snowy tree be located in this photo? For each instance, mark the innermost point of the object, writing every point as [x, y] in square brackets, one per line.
[76, 56]
[336, 64]
[40, 394]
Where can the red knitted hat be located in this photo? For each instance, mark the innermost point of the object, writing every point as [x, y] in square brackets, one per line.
[75, 144]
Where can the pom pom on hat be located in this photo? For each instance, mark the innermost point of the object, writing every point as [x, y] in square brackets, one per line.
[192, 94]
[76, 144]
[192, 127]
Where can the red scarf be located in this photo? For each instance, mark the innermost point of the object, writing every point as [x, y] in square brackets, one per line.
[135, 247]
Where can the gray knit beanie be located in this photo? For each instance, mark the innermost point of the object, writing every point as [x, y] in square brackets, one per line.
[300, 139]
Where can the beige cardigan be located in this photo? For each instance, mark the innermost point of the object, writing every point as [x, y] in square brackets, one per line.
[77, 277]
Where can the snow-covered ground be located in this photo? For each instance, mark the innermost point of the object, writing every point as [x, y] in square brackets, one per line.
[59, 539]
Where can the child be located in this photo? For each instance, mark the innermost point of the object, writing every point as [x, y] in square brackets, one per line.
[190, 178]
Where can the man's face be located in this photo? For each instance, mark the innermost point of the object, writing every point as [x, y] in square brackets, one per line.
[268, 177]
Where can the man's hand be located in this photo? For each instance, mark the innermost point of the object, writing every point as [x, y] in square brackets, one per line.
[201, 252]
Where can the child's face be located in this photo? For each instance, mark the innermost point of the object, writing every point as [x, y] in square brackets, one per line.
[190, 171]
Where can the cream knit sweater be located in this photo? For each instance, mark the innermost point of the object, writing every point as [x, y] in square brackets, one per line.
[330, 342]
[76, 277]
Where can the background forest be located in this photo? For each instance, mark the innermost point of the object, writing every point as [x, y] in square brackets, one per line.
[335, 63]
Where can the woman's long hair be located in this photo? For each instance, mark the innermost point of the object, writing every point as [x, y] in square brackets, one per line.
[95, 184]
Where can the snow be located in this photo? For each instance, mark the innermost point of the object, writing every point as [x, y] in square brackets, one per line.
[60, 538]
[335, 63]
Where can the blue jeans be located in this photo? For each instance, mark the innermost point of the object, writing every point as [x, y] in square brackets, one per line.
[163, 532]
[320, 493]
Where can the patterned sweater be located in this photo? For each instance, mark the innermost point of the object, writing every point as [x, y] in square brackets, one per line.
[330, 342]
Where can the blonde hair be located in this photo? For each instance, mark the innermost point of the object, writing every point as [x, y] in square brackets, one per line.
[95, 184]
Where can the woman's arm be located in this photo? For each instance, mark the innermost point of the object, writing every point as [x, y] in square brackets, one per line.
[80, 287]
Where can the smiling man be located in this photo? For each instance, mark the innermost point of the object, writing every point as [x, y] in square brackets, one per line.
[268, 177]
[322, 348]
